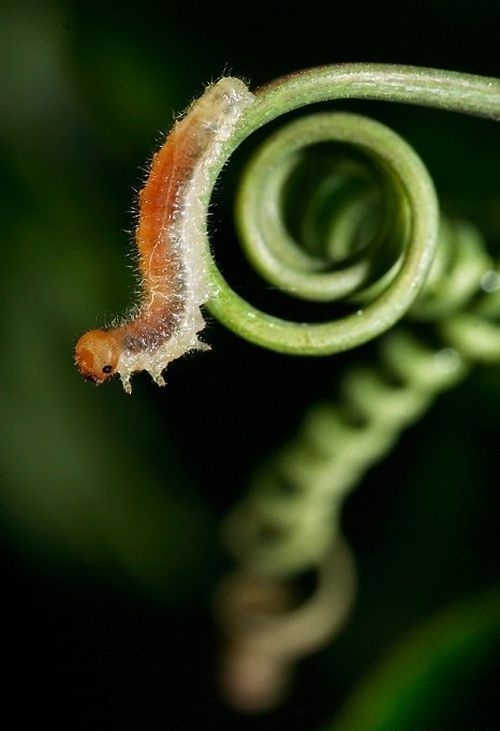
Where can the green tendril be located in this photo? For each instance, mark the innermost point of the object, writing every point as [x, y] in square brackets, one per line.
[406, 234]
[357, 222]
[336, 207]
[292, 513]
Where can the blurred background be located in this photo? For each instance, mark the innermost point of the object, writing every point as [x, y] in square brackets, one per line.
[110, 505]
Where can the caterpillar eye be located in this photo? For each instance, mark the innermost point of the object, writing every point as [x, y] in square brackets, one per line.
[107, 369]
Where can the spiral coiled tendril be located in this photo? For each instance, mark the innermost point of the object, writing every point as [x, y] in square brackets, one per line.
[367, 231]
[292, 514]
[410, 198]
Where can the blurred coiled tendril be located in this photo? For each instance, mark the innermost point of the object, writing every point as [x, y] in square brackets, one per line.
[367, 234]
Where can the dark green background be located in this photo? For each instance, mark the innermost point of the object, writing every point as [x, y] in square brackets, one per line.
[109, 505]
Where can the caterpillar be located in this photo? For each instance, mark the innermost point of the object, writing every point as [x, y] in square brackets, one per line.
[171, 264]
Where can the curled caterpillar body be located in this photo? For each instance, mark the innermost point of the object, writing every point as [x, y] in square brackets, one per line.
[171, 263]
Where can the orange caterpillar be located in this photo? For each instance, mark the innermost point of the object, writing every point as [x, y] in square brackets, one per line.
[174, 282]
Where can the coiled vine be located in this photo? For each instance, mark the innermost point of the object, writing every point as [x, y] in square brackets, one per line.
[368, 235]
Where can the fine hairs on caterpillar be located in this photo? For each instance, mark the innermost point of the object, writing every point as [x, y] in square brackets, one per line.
[174, 281]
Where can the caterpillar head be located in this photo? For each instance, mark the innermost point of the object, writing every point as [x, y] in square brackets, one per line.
[96, 355]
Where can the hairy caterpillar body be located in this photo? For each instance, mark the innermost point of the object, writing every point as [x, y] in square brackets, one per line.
[174, 281]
